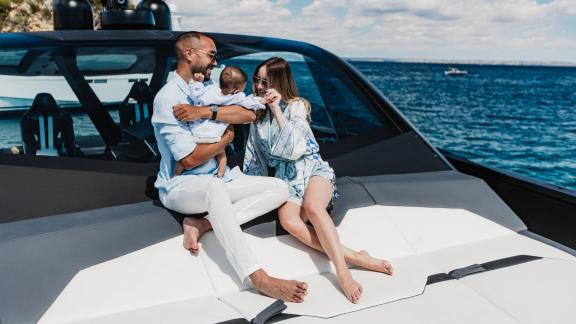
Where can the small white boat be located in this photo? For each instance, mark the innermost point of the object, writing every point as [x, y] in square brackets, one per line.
[452, 71]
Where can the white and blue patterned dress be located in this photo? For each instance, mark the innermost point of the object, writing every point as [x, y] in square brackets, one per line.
[292, 150]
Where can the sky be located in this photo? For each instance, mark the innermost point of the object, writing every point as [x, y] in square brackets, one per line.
[508, 30]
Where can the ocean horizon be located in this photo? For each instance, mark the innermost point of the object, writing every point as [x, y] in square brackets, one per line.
[463, 62]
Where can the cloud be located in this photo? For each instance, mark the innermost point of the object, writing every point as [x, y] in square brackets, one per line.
[436, 29]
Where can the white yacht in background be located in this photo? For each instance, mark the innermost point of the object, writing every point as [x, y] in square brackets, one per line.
[84, 239]
[109, 88]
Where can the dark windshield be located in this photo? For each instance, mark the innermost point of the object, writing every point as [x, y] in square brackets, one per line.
[92, 85]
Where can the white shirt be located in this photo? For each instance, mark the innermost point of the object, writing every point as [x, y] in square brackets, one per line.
[173, 136]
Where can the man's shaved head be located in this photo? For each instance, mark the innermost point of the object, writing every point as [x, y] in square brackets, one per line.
[196, 53]
[188, 39]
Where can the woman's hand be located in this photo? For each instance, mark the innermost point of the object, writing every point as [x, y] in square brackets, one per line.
[273, 98]
[188, 113]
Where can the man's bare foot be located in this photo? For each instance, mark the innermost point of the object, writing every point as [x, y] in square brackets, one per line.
[288, 290]
[366, 261]
[352, 289]
[194, 228]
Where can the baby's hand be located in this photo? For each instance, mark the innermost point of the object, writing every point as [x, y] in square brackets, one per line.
[264, 101]
[178, 169]
[222, 162]
[198, 77]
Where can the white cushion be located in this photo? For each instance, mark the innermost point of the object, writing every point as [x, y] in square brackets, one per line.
[286, 257]
[429, 229]
[325, 298]
[448, 302]
[493, 249]
[203, 310]
[159, 274]
[540, 291]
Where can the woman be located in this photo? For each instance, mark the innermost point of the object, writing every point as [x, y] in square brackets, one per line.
[281, 138]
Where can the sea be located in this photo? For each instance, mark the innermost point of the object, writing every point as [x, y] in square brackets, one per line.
[514, 118]
[520, 119]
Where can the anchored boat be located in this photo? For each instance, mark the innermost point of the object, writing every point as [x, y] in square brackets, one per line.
[452, 71]
[83, 238]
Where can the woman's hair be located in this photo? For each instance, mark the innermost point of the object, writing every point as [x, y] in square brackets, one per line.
[279, 76]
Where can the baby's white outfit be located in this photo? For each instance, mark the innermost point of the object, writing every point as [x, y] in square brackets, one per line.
[209, 93]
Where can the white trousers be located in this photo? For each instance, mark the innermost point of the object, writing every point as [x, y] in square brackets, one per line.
[229, 205]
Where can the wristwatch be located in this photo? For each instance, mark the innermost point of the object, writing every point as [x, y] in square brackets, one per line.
[214, 109]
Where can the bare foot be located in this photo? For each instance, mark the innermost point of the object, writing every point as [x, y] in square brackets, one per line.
[366, 261]
[352, 289]
[288, 290]
[194, 228]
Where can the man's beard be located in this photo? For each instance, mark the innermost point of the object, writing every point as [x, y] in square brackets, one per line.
[205, 70]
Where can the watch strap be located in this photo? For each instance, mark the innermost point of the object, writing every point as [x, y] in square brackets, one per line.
[214, 110]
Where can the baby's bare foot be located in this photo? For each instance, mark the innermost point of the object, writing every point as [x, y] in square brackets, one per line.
[352, 289]
[366, 261]
[194, 228]
[288, 290]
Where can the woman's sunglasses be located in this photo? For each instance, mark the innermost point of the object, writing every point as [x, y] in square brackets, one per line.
[258, 80]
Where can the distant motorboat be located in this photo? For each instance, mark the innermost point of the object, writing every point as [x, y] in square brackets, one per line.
[455, 72]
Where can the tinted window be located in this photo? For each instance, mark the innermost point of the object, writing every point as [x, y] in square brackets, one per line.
[11, 57]
[109, 71]
[321, 121]
[337, 112]
[105, 62]
[350, 116]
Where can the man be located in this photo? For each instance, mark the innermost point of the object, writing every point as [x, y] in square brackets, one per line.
[228, 204]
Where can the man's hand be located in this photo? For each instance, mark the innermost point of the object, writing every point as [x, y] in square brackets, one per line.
[187, 112]
[204, 152]
[227, 114]
[222, 162]
[178, 169]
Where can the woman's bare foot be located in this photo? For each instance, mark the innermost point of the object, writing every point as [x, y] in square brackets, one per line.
[288, 290]
[366, 261]
[194, 228]
[352, 289]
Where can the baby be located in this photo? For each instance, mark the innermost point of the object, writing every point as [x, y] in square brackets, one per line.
[229, 92]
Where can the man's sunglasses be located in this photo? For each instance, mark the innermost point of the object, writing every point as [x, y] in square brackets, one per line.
[213, 56]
